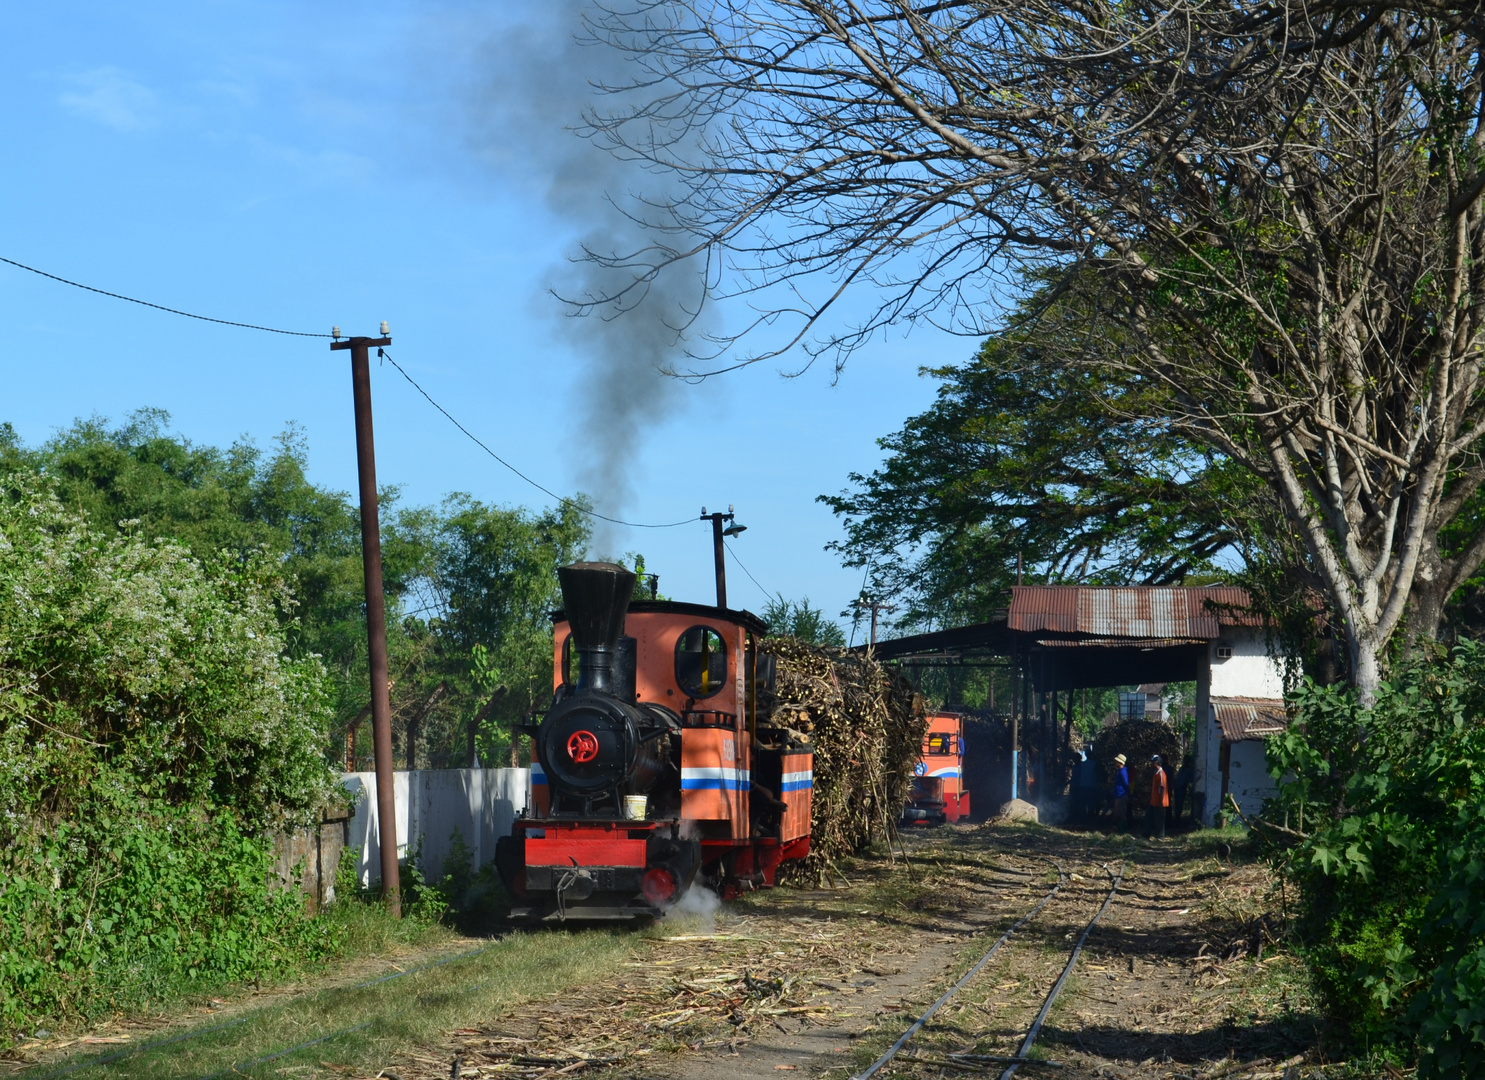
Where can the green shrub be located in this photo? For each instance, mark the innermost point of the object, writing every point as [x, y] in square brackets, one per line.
[137, 903]
[153, 731]
[1391, 877]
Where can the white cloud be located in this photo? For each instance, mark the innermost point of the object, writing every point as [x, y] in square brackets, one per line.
[111, 98]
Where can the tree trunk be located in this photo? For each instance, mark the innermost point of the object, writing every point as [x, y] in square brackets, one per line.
[1366, 666]
[417, 720]
[1431, 589]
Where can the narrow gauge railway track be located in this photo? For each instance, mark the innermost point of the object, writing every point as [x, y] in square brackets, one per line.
[1012, 1062]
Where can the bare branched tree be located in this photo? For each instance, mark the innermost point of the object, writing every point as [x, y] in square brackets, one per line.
[1281, 206]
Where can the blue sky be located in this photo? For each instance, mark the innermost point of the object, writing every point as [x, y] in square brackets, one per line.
[303, 165]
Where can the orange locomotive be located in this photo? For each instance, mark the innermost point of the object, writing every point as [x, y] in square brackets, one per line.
[647, 773]
[938, 793]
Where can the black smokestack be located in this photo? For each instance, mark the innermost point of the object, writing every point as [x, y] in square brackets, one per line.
[595, 597]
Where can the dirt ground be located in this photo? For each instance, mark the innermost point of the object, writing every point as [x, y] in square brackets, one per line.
[1178, 979]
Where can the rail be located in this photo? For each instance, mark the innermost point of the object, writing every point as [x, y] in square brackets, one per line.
[918, 1024]
[1036, 1025]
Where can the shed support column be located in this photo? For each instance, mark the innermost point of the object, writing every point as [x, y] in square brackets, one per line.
[1207, 788]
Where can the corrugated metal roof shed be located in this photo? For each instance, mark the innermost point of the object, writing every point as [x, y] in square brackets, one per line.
[1249, 718]
[1139, 611]
[1044, 607]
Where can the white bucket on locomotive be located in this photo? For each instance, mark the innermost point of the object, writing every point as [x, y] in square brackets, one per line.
[653, 699]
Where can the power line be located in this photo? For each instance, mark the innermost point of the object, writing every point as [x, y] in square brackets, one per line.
[546, 490]
[158, 307]
[380, 352]
[745, 570]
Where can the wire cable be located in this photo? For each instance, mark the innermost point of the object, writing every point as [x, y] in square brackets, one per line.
[751, 578]
[548, 491]
[236, 1069]
[158, 307]
[145, 1047]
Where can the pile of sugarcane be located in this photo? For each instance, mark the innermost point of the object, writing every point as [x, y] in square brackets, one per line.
[1137, 740]
[865, 725]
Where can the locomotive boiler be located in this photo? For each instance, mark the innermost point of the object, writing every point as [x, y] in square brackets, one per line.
[647, 772]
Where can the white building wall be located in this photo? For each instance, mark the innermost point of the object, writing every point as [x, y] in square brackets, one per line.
[1248, 780]
[481, 804]
[1252, 673]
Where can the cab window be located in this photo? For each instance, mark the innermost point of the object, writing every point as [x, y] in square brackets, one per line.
[700, 662]
[571, 662]
[940, 743]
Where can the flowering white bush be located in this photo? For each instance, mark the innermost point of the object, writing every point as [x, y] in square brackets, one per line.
[142, 660]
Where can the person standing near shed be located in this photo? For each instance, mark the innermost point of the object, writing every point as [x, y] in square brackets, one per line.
[1121, 794]
[1085, 786]
[1183, 785]
[1159, 800]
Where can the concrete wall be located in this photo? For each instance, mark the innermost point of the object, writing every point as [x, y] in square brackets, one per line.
[431, 804]
[307, 859]
[1250, 671]
[1248, 780]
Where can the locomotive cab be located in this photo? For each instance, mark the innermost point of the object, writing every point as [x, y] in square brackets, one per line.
[643, 771]
[938, 794]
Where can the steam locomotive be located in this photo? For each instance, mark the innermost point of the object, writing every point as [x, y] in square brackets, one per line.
[648, 772]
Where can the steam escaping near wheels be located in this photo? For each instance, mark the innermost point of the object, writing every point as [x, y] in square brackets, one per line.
[695, 912]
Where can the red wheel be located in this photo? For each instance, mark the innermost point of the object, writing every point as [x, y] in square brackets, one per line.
[658, 885]
[582, 747]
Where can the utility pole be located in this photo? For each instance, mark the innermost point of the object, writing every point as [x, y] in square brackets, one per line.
[718, 555]
[877, 606]
[376, 611]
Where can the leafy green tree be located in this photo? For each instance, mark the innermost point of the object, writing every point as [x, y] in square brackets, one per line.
[239, 500]
[797, 619]
[154, 728]
[1026, 465]
[487, 592]
[1193, 168]
[1380, 822]
[119, 650]
[458, 576]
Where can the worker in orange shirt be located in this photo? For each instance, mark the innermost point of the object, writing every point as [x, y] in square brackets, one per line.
[1159, 800]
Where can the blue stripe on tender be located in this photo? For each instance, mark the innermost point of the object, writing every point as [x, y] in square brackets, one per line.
[715, 783]
[796, 785]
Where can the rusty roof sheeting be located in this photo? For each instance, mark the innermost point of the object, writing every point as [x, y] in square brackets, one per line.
[1250, 718]
[1137, 611]
[1044, 607]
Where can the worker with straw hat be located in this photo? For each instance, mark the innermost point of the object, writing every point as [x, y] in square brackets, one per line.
[1121, 794]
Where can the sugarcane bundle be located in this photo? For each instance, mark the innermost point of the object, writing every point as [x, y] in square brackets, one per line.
[1137, 740]
[865, 725]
